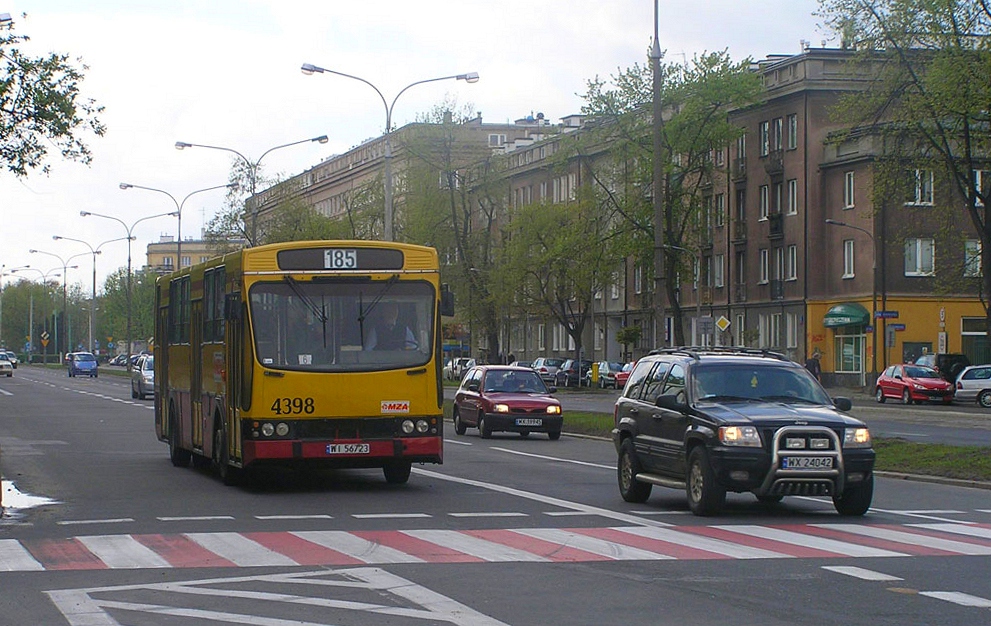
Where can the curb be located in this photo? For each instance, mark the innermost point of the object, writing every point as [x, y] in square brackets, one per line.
[942, 480]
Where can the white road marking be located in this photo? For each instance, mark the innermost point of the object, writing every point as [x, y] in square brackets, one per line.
[480, 548]
[601, 547]
[960, 529]
[196, 518]
[14, 558]
[861, 573]
[122, 552]
[79, 522]
[390, 515]
[699, 542]
[356, 547]
[564, 504]
[492, 514]
[921, 515]
[457, 442]
[554, 458]
[4, 392]
[914, 539]
[956, 597]
[568, 513]
[292, 517]
[240, 550]
[809, 541]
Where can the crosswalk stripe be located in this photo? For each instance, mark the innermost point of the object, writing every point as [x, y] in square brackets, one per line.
[14, 558]
[122, 552]
[346, 548]
[240, 550]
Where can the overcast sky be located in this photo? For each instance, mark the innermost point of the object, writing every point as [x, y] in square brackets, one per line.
[226, 73]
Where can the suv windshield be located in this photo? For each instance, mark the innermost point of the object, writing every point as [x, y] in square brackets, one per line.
[330, 325]
[726, 382]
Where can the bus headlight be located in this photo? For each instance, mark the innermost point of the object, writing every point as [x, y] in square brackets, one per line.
[422, 426]
[282, 429]
[267, 429]
[408, 427]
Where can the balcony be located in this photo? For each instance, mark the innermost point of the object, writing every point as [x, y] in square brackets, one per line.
[776, 224]
[739, 172]
[739, 231]
[740, 292]
[774, 163]
[777, 289]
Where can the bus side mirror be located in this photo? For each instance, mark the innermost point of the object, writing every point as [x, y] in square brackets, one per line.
[446, 301]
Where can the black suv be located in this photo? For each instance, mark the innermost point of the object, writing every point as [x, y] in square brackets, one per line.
[949, 366]
[712, 420]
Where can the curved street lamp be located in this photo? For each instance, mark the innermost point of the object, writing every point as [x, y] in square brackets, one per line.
[471, 77]
[252, 172]
[178, 209]
[65, 309]
[94, 251]
[130, 238]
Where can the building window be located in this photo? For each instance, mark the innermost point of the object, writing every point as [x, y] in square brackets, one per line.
[779, 263]
[848, 258]
[919, 257]
[541, 338]
[972, 257]
[718, 261]
[496, 140]
[791, 330]
[637, 279]
[739, 330]
[982, 183]
[777, 137]
[185, 261]
[763, 202]
[764, 263]
[614, 287]
[597, 337]
[848, 190]
[792, 131]
[741, 146]
[720, 154]
[764, 137]
[167, 261]
[921, 185]
[777, 197]
[791, 266]
[719, 214]
[793, 197]
[769, 328]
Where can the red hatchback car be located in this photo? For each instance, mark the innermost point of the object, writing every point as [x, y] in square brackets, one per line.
[503, 398]
[912, 383]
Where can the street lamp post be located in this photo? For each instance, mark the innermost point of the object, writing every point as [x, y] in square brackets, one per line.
[65, 309]
[130, 238]
[252, 173]
[30, 333]
[471, 77]
[874, 333]
[178, 210]
[92, 310]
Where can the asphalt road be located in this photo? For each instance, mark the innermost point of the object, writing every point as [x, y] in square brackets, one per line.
[507, 531]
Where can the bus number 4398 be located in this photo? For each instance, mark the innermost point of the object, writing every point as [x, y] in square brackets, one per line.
[292, 406]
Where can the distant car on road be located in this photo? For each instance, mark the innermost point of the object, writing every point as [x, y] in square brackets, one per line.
[6, 367]
[143, 377]
[910, 383]
[13, 358]
[974, 385]
[82, 363]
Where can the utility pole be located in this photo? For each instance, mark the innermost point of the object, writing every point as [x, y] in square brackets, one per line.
[658, 187]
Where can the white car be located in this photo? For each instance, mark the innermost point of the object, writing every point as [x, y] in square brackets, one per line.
[454, 368]
[13, 358]
[6, 367]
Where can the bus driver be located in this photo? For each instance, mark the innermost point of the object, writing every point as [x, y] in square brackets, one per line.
[388, 334]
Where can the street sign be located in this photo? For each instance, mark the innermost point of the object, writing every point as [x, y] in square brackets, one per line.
[705, 325]
[897, 326]
[722, 323]
[886, 314]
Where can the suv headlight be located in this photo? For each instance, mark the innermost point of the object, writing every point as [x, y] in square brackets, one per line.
[739, 436]
[856, 438]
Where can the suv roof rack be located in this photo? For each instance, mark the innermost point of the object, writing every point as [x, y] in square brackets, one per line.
[695, 352]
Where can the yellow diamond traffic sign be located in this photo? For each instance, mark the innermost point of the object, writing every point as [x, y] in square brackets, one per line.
[722, 323]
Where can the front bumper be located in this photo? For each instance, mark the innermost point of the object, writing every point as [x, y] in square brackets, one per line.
[510, 422]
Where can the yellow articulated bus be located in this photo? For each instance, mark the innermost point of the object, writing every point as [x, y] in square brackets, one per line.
[308, 352]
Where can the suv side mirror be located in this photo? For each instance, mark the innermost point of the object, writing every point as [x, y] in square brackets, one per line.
[675, 402]
[843, 404]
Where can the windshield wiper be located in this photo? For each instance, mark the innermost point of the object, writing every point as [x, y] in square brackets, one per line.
[363, 312]
[317, 311]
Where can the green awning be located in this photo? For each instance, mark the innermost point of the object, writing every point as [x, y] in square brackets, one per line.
[846, 314]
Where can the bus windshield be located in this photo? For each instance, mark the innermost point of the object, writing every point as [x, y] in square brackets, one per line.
[342, 326]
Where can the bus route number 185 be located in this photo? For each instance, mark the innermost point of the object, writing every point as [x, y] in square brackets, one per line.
[339, 259]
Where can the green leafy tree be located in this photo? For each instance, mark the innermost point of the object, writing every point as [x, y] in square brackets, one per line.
[696, 98]
[41, 107]
[929, 67]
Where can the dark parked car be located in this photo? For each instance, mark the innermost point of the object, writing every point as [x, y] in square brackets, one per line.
[572, 373]
[912, 383]
[607, 371]
[738, 420]
[82, 364]
[502, 398]
[949, 366]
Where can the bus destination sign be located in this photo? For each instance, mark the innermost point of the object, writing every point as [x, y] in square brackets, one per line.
[362, 259]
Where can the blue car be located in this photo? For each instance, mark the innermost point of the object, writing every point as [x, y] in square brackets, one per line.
[82, 363]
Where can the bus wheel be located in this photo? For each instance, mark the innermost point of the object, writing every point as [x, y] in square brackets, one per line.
[221, 458]
[397, 472]
[179, 457]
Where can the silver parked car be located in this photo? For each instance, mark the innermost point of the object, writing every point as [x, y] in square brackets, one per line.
[547, 368]
[974, 384]
[143, 377]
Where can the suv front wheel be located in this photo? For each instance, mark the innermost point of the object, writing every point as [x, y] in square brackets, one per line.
[705, 496]
[627, 469]
[855, 500]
